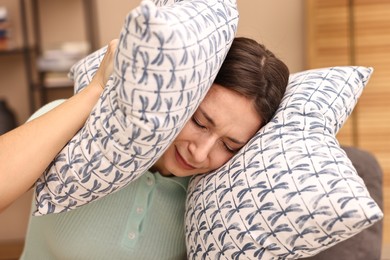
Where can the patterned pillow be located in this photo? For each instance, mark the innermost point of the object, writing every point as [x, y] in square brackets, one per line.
[167, 59]
[291, 192]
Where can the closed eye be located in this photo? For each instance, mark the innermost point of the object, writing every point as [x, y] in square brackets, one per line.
[229, 149]
[197, 123]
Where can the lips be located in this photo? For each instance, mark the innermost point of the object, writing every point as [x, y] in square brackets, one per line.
[182, 162]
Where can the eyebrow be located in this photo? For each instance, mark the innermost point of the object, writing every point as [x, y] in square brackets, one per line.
[212, 122]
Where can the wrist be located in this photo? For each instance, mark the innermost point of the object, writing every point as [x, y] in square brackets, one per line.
[94, 90]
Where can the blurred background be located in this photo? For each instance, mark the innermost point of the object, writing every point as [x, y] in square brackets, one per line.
[41, 39]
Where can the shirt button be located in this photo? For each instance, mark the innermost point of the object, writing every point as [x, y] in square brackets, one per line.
[131, 235]
[149, 181]
[140, 210]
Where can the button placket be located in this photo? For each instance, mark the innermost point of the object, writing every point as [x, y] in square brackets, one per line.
[139, 209]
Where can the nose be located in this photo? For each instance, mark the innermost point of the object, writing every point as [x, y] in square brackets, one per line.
[200, 147]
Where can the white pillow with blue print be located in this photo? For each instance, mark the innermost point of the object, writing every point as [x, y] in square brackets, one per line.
[291, 192]
[167, 59]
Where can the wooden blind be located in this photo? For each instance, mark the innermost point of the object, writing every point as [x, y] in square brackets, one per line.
[357, 32]
[329, 43]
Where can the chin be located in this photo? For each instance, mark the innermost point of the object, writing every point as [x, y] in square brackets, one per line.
[193, 173]
[183, 173]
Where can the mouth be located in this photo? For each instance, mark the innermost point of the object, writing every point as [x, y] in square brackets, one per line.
[182, 162]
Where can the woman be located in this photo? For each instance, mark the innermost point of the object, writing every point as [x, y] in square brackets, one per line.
[145, 219]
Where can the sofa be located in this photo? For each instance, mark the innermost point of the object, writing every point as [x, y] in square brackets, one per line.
[366, 245]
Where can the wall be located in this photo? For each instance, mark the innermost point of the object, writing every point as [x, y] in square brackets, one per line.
[278, 24]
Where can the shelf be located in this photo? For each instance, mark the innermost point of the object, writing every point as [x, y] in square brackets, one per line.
[55, 80]
[13, 51]
[53, 63]
[43, 67]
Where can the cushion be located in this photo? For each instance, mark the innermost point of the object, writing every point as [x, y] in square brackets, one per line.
[167, 58]
[366, 245]
[291, 192]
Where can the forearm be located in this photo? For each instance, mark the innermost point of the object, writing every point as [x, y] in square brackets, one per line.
[26, 151]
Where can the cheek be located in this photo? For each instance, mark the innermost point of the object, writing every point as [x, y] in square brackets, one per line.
[218, 158]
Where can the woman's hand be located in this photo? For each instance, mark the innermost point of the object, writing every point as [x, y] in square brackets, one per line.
[106, 66]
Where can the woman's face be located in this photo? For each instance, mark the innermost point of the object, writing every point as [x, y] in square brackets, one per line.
[223, 123]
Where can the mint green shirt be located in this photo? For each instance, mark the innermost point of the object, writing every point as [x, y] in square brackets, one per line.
[144, 220]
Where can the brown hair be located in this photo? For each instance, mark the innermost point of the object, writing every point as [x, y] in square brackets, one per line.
[256, 73]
